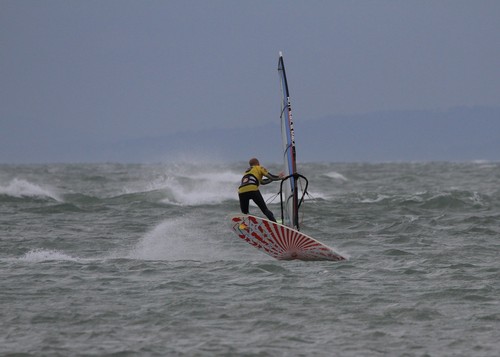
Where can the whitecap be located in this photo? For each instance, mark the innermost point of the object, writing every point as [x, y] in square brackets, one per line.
[379, 198]
[40, 255]
[22, 188]
[336, 176]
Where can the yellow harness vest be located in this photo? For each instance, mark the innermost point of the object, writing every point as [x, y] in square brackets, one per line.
[252, 179]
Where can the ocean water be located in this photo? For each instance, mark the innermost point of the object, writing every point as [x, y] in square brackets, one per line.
[127, 260]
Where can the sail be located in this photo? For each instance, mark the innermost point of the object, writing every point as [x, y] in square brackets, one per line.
[290, 202]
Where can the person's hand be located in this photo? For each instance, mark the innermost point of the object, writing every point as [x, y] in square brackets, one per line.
[281, 175]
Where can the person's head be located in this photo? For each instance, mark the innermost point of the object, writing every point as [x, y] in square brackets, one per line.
[254, 162]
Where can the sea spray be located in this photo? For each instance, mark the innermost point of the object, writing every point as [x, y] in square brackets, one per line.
[174, 239]
[22, 188]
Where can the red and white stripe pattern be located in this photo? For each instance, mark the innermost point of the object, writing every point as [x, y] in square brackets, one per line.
[279, 241]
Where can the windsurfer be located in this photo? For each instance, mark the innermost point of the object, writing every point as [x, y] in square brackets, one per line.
[249, 188]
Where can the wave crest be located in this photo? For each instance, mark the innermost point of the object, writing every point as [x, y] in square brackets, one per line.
[41, 255]
[19, 188]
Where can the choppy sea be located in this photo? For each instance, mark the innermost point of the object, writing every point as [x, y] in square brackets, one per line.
[127, 260]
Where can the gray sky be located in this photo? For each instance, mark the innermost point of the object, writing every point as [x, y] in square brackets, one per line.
[97, 71]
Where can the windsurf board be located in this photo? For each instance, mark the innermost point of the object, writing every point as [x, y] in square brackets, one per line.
[279, 241]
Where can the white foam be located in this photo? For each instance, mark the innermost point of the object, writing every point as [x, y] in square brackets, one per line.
[376, 200]
[336, 176]
[40, 255]
[22, 188]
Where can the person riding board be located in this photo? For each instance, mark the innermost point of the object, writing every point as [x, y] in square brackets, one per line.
[249, 188]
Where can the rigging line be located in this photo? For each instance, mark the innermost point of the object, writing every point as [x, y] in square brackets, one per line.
[272, 198]
[312, 200]
[304, 192]
[283, 111]
[310, 196]
[287, 150]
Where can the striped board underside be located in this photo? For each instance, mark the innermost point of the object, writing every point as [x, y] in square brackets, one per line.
[279, 241]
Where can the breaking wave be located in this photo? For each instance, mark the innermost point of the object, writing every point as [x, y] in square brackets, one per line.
[20, 188]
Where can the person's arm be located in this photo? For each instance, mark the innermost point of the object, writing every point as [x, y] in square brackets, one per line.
[269, 177]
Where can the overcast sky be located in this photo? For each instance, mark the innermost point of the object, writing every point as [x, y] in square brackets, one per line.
[120, 69]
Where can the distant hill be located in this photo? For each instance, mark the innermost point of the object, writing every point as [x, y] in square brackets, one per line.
[459, 134]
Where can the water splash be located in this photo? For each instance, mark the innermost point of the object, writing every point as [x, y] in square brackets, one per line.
[175, 239]
[21, 188]
[187, 187]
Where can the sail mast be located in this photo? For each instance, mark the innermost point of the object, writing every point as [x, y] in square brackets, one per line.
[290, 207]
